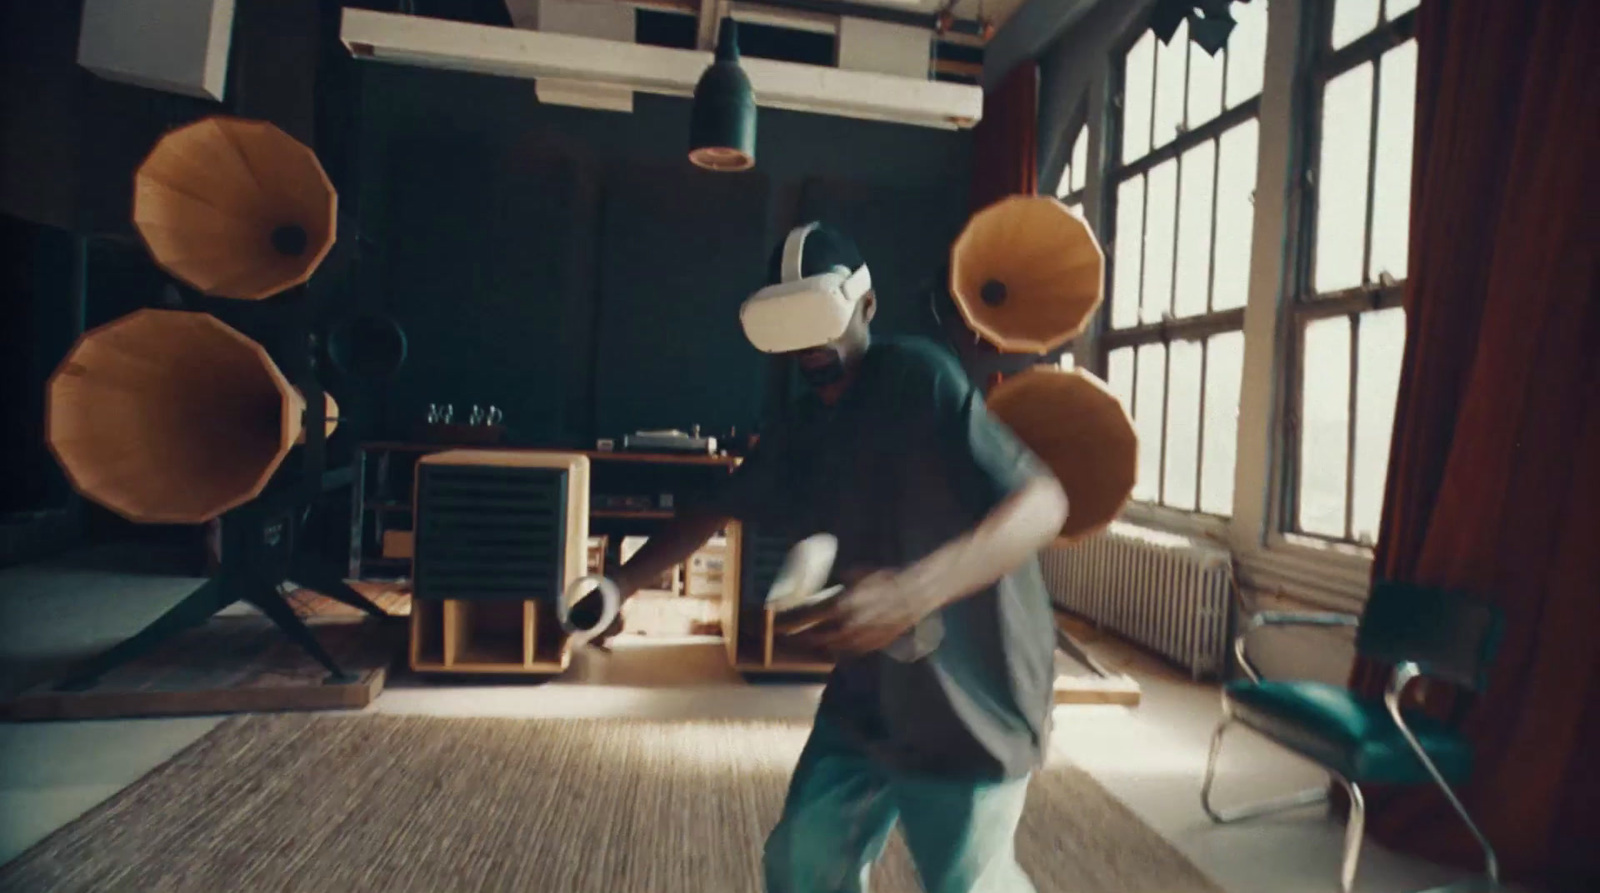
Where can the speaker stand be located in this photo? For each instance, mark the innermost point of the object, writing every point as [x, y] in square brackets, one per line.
[258, 557]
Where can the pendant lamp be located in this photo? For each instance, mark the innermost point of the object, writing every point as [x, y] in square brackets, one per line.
[722, 125]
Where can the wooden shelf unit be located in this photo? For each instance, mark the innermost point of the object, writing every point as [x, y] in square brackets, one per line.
[456, 636]
[524, 637]
[748, 632]
[381, 501]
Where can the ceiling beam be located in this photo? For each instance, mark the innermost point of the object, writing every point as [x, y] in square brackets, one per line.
[710, 17]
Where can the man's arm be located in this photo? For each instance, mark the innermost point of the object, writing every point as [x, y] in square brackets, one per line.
[749, 487]
[1022, 525]
[1019, 506]
[881, 607]
[670, 546]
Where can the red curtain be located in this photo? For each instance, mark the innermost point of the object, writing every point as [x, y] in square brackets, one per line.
[1494, 478]
[1005, 150]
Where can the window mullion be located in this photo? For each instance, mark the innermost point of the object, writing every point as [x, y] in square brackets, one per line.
[1166, 412]
[1200, 425]
[1372, 171]
[1350, 432]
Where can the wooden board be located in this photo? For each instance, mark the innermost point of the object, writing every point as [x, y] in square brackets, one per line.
[1122, 691]
[231, 664]
[1079, 685]
[398, 544]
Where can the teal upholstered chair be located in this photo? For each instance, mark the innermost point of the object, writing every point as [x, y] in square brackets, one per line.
[1421, 632]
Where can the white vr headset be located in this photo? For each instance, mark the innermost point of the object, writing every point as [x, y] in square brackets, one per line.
[799, 313]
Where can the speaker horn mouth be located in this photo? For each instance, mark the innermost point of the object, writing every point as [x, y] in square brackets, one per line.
[1025, 274]
[235, 208]
[993, 293]
[290, 240]
[1073, 422]
[170, 417]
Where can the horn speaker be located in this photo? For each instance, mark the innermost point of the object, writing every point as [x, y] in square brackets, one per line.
[235, 208]
[1081, 430]
[371, 346]
[171, 417]
[1026, 274]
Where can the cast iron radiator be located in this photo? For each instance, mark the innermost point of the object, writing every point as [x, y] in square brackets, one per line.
[1172, 594]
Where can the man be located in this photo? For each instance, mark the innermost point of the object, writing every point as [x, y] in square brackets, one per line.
[938, 709]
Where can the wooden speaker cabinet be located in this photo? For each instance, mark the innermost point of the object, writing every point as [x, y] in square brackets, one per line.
[499, 536]
[747, 626]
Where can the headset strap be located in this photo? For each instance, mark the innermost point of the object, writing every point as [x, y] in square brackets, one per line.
[792, 248]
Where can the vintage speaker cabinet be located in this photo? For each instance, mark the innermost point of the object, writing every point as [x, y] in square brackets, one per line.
[500, 535]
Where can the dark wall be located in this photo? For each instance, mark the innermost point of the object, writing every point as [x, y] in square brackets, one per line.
[571, 267]
[567, 265]
[69, 144]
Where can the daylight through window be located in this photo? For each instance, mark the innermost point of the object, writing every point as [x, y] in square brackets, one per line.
[1348, 319]
[1180, 204]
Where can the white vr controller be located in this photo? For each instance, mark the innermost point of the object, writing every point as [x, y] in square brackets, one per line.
[582, 588]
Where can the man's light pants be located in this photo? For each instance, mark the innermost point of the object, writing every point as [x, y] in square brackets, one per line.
[842, 806]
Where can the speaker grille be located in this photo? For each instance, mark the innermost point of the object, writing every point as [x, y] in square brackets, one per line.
[490, 532]
[762, 559]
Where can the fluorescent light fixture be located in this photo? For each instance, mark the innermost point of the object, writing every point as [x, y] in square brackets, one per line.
[512, 52]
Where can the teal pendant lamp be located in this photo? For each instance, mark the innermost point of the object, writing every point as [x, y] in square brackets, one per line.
[722, 125]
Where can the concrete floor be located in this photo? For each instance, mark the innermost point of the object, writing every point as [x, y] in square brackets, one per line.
[1151, 757]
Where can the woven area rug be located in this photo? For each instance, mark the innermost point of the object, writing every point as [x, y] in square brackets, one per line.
[304, 803]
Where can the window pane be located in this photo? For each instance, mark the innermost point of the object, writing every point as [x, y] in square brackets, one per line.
[1342, 179]
[1119, 376]
[1381, 346]
[1391, 196]
[1137, 86]
[1247, 51]
[1075, 208]
[1171, 65]
[1353, 18]
[1079, 171]
[1325, 421]
[1224, 368]
[1397, 8]
[1126, 253]
[1066, 362]
[1197, 170]
[1236, 183]
[1205, 86]
[1183, 425]
[1149, 398]
[1160, 233]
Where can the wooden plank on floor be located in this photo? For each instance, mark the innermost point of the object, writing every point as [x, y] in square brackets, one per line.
[1121, 691]
[1081, 685]
[231, 664]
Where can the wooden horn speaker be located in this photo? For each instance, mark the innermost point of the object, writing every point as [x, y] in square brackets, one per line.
[1081, 430]
[235, 208]
[1026, 274]
[171, 417]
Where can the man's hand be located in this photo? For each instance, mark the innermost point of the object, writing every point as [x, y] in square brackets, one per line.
[868, 616]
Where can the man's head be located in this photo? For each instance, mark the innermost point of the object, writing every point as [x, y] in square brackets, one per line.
[817, 306]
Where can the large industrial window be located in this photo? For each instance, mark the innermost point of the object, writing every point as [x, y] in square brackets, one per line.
[1075, 179]
[1179, 201]
[1348, 322]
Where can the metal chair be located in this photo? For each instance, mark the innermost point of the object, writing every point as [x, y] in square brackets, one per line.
[1421, 632]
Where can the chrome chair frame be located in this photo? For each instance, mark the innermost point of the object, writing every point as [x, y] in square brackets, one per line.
[1404, 674]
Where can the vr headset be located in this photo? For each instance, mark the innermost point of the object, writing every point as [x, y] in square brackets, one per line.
[802, 312]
